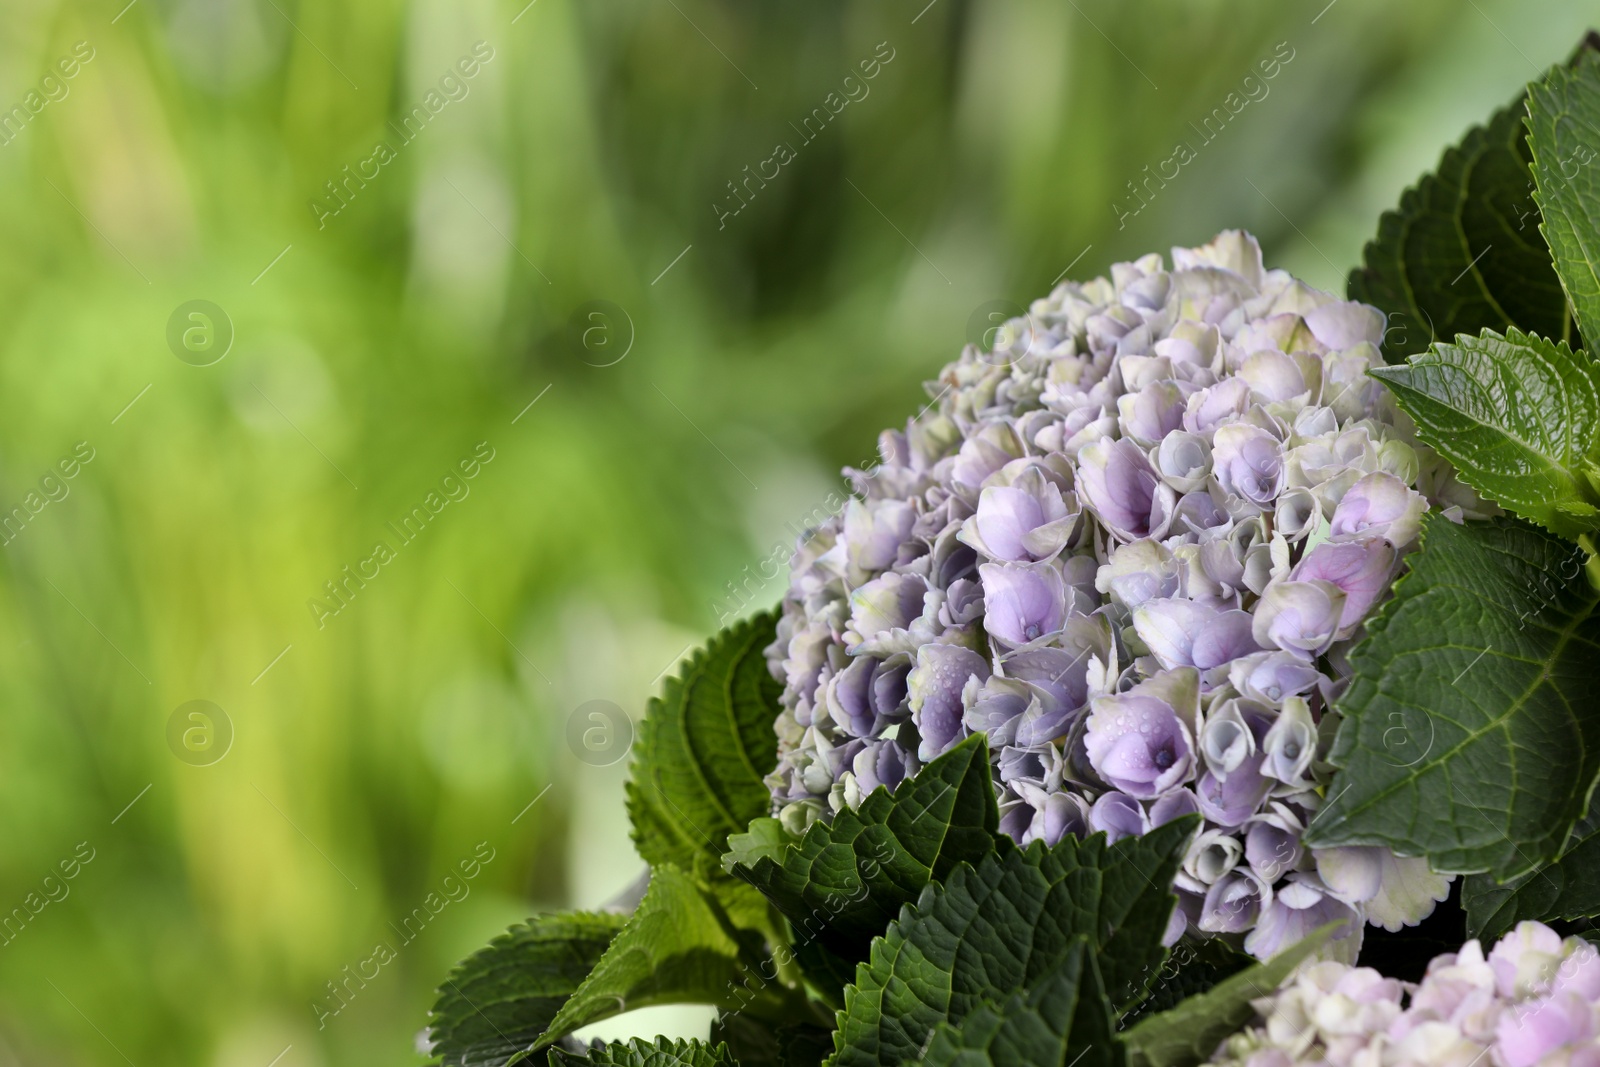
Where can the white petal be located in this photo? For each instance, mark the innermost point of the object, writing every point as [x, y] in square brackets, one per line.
[1409, 892]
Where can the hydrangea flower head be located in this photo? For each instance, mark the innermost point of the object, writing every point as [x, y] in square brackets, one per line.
[1534, 1000]
[1131, 544]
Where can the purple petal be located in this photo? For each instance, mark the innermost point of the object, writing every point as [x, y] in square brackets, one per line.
[1016, 816]
[1290, 745]
[1543, 1027]
[1271, 849]
[1055, 816]
[1380, 505]
[1190, 633]
[1361, 568]
[1118, 815]
[1226, 740]
[1272, 676]
[1248, 462]
[1295, 911]
[1153, 412]
[1022, 602]
[849, 698]
[1231, 803]
[1234, 902]
[1216, 406]
[1299, 617]
[1183, 460]
[1345, 324]
[887, 603]
[1138, 744]
[1060, 672]
[936, 686]
[1004, 515]
[1274, 377]
[1139, 571]
[1174, 805]
[1118, 484]
[874, 530]
[1197, 513]
[982, 455]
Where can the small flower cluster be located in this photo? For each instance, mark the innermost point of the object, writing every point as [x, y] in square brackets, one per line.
[1535, 999]
[1130, 544]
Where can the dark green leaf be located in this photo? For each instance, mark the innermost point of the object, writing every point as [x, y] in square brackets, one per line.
[498, 1001]
[847, 878]
[1471, 730]
[679, 947]
[658, 1053]
[1063, 1020]
[1567, 889]
[1004, 927]
[1191, 1032]
[1193, 967]
[758, 1043]
[803, 1046]
[751, 1042]
[703, 749]
[1463, 252]
[1564, 133]
[1518, 417]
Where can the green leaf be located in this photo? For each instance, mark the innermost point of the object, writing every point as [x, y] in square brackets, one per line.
[764, 837]
[661, 1052]
[498, 1001]
[1193, 967]
[842, 883]
[1065, 1019]
[1463, 252]
[703, 749]
[803, 1046]
[1471, 726]
[679, 947]
[1189, 1033]
[1004, 927]
[1564, 890]
[1518, 417]
[758, 1043]
[1564, 133]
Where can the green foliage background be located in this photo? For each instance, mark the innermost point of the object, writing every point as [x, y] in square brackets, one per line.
[376, 755]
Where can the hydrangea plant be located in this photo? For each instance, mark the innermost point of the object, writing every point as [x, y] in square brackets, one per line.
[1132, 545]
[1208, 654]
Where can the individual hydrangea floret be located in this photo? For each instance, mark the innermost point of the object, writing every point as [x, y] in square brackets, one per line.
[1535, 999]
[1131, 544]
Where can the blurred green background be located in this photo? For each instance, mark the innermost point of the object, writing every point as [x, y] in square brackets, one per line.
[741, 361]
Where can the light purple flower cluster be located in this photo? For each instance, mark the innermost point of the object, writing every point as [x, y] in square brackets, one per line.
[1131, 544]
[1535, 999]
